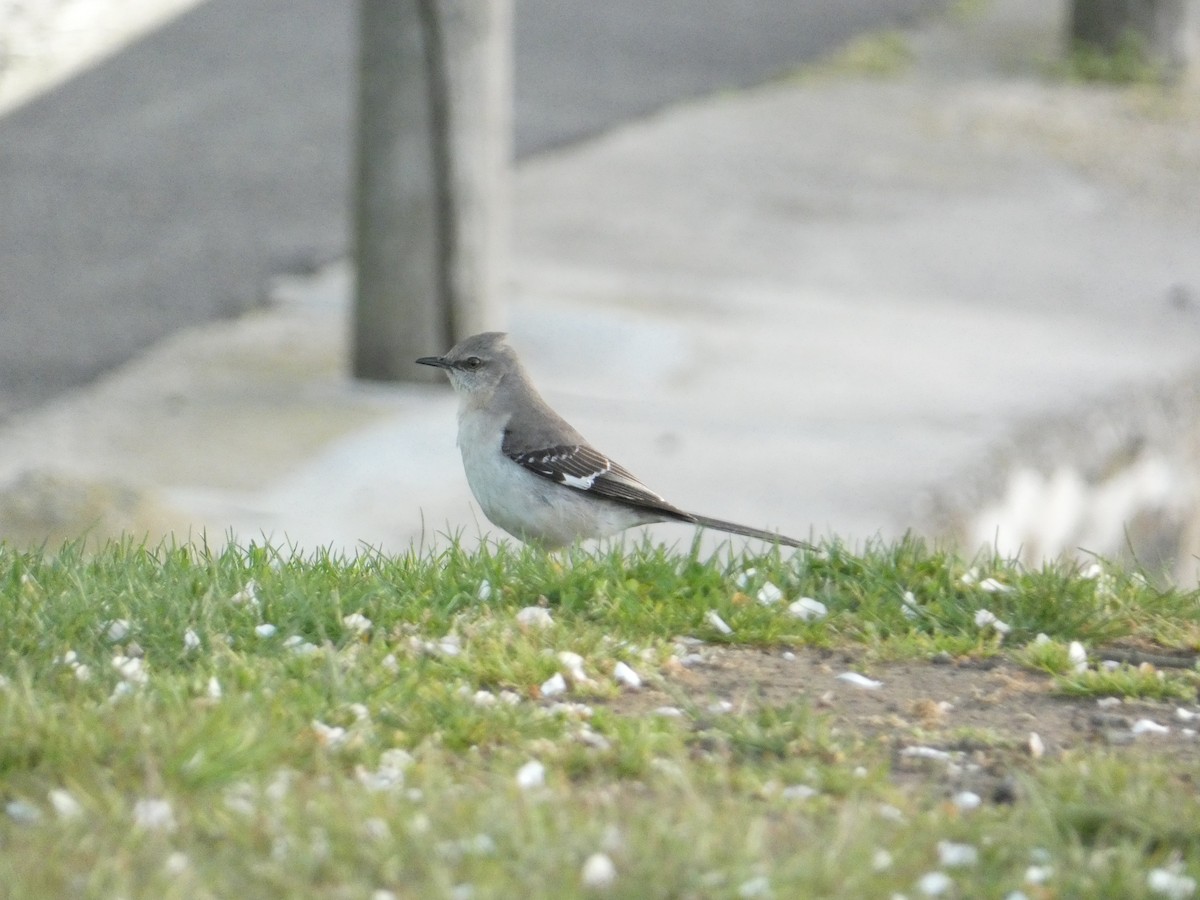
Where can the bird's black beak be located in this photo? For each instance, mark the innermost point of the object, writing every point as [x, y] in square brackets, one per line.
[439, 362]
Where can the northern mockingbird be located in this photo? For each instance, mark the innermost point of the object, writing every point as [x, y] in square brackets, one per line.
[532, 473]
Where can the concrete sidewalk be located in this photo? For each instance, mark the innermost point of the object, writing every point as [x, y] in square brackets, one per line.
[816, 306]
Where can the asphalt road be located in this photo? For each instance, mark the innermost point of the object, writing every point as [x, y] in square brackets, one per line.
[165, 186]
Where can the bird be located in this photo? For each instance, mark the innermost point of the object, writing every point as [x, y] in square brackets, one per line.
[532, 473]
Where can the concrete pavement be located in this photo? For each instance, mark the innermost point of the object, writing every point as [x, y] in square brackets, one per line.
[163, 186]
[821, 305]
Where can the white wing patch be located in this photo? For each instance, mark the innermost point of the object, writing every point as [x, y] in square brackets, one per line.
[582, 484]
[582, 468]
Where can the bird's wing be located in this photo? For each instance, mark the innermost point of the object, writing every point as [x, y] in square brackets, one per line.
[580, 467]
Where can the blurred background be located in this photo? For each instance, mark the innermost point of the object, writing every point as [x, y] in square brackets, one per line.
[838, 268]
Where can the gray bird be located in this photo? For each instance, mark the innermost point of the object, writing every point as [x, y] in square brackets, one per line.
[532, 473]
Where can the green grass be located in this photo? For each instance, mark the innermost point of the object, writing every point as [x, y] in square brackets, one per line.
[371, 740]
[1134, 683]
[878, 55]
[1129, 63]
[1122, 680]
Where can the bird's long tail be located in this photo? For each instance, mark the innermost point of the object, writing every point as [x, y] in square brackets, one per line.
[747, 531]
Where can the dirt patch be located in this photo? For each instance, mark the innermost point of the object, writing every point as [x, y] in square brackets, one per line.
[962, 724]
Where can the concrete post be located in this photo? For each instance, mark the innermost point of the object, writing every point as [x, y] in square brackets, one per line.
[431, 187]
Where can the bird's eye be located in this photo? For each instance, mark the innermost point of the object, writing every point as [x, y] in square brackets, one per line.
[473, 362]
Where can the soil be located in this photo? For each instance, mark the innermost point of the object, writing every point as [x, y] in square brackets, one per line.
[980, 721]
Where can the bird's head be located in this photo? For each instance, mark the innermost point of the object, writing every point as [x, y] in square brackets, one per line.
[478, 364]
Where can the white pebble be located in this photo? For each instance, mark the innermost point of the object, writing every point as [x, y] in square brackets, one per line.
[807, 609]
[64, 803]
[798, 792]
[531, 775]
[329, 736]
[390, 773]
[265, 630]
[176, 863]
[1185, 715]
[934, 884]
[669, 712]
[625, 676]
[280, 785]
[769, 594]
[985, 618]
[713, 618]
[300, 646]
[1171, 884]
[152, 814]
[214, 688]
[598, 872]
[191, 641]
[573, 663]
[745, 577]
[122, 689]
[592, 739]
[247, 595]
[484, 591]
[378, 781]
[357, 623]
[1038, 874]
[377, 829]
[23, 812]
[554, 686]
[1149, 726]
[967, 800]
[953, 855]
[534, 617]
[1037, 748]
[1077, 657]
[118, 630]
[131, 669]
[860, 681]
[755, 887]
[992, 586]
